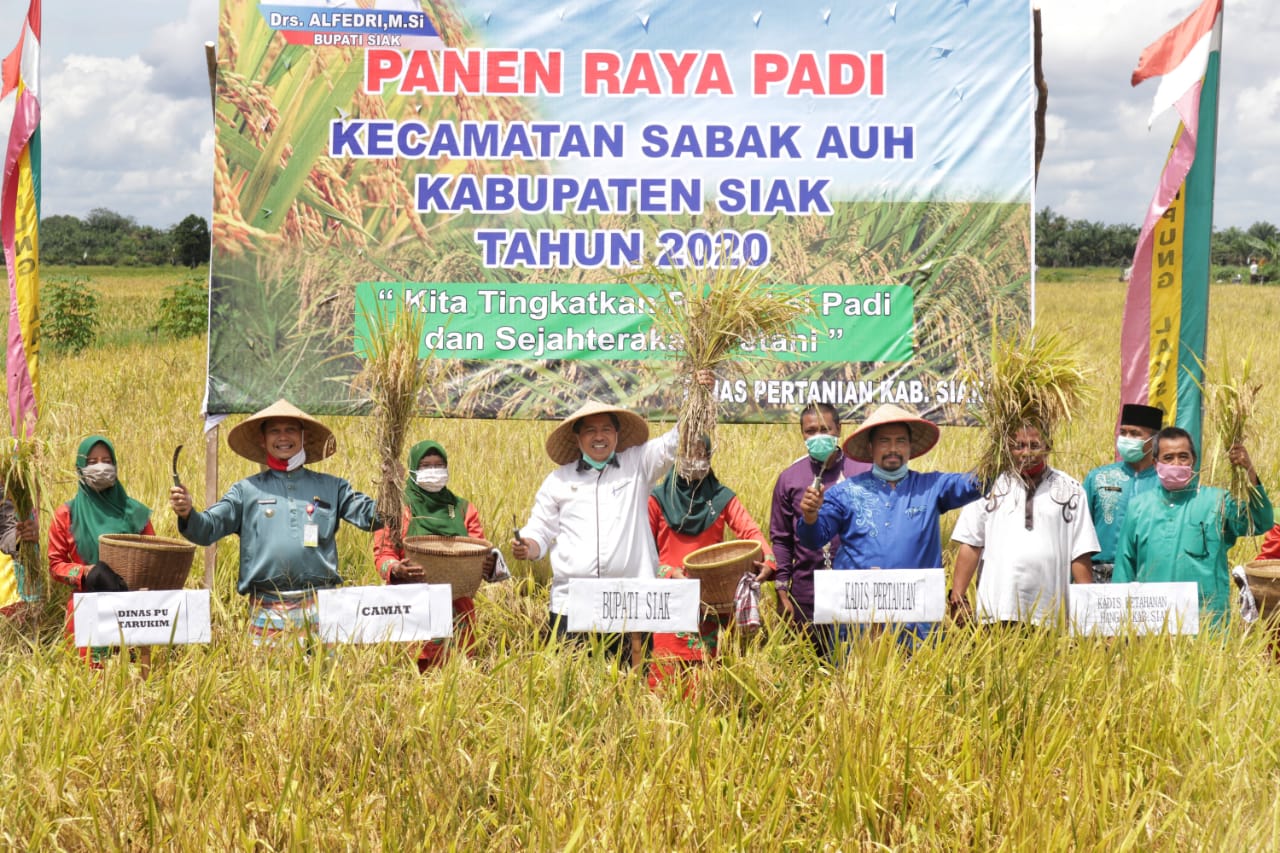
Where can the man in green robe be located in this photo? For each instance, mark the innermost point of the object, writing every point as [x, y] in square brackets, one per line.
[1111, 487]
[1182, 531]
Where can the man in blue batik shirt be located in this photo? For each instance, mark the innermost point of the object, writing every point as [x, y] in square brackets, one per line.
[888, 517]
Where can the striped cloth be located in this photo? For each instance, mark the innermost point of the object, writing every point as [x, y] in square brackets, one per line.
[294, 618]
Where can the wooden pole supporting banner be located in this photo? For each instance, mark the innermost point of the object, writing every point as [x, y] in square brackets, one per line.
[210, 497]
[211, 62]
[211, 434]
[1042, 90]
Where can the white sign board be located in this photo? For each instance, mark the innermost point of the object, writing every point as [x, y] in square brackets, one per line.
[614, 605]
[894, 596]
[1150, 608]
[161, 617]
[376, 614]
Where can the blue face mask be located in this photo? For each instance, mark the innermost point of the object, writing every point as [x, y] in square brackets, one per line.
[820, 446]
[889, 476]
[1131, 449]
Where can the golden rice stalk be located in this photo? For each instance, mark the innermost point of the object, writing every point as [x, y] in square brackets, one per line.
[706, 314]
[1231, 401]
[1036, 378]
[394, 378]
[20, 462]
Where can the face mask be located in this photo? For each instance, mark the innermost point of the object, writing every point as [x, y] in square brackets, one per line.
[1131, 449]
[820, 446]
[99, 476]
[889, 476]
[432, 479]
[695, 469]
[296, 460]
[599, 466]
[1175, 477]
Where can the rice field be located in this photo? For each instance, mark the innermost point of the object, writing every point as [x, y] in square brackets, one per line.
[981, 741]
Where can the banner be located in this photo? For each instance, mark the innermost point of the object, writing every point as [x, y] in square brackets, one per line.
[519, 175]
[20, 222]
[1166, 313]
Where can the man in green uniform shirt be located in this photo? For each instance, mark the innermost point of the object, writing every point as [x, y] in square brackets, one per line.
[1182, 531]
[1109, 488]
[286, 517]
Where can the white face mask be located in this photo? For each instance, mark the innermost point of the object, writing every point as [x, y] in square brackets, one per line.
[98, 476]
[695, 469]
[432, 479]
[296, 460]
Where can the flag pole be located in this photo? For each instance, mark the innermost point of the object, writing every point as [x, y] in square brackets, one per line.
[211, 434]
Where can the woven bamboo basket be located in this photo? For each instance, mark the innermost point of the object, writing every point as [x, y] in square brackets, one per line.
[455, 560]
[718, 568]
[1264, 583]
[147, 562]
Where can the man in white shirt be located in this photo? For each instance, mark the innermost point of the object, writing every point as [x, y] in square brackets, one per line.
[591, 515]
[1033, 534]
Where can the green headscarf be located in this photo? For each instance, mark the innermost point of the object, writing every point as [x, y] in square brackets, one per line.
[439, 513]
[689, 507]
[109, 511]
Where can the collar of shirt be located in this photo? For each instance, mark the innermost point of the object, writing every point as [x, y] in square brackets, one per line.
[1029, 517]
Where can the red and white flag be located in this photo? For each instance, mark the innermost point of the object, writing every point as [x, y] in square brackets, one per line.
[1179, 58]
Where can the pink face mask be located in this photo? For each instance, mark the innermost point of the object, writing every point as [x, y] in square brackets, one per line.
[1175, 477]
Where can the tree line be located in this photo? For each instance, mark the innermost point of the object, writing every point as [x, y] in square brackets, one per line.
[1062, 242]
[107, 238]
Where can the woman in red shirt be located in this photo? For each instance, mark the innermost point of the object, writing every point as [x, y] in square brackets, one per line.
[687, 513]
[432, 509]
[101, 505]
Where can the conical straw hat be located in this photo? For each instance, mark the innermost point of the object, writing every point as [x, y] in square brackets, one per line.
[924, 435]
[246, 438]
[562, 444]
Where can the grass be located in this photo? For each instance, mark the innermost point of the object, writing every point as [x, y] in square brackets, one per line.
[986, 740]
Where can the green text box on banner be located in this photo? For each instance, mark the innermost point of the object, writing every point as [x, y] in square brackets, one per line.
[485, 322]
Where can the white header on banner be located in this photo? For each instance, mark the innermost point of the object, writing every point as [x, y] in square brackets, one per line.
[1107, 609]
[613, 605]
[161, 617]
[377, 614]
[879, 595]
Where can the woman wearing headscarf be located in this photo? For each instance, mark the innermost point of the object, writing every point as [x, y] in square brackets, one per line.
[432, 509]
[686, 512]
[101, 505]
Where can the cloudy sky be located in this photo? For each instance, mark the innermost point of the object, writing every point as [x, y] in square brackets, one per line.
[127, 121]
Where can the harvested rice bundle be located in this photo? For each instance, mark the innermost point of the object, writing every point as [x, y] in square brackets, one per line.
[20, 461]
[1036, 378]
[394, 377]
[706, 315]
[1231, 402]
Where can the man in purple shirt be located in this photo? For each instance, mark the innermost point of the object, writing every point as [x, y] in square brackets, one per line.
[887, 518]
[820, 426]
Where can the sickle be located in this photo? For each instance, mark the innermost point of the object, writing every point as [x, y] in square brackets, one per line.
[176, 480]
[817, 481]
